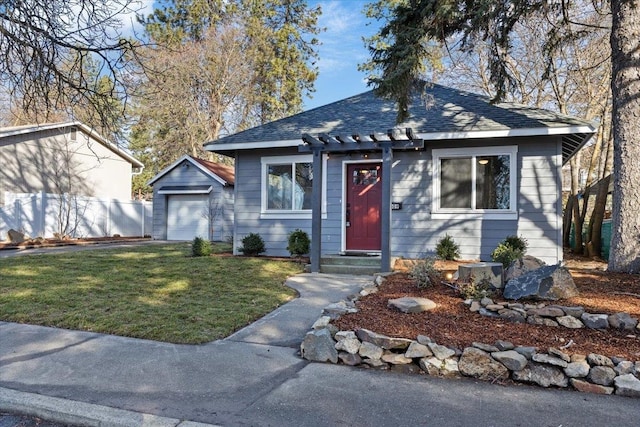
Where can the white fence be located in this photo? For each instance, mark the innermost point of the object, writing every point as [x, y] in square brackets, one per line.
[48, 215]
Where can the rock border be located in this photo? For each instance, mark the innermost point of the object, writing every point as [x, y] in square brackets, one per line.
[593, 373]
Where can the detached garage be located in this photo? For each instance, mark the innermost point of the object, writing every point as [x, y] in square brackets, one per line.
[193, 198]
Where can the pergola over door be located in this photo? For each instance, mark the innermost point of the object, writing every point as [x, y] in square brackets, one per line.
[394, 139]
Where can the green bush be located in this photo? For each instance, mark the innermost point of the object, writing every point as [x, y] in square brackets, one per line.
[447, 249]
[252, 244]
[476, 289]
[298, 243]
[201, 247]
[424, 273]
[509, 250]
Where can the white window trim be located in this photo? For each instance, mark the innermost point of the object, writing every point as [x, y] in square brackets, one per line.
[287, 213]
[500, 214]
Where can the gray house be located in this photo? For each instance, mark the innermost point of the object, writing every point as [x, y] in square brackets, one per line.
[357, 182]
[193, 198]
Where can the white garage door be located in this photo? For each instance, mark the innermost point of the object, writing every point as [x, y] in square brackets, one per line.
[186, 216]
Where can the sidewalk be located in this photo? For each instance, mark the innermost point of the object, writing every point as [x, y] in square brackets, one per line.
[256, 378]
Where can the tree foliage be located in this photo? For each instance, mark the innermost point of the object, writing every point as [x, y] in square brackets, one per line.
[57, 54]
[217, 67]
[413, 25]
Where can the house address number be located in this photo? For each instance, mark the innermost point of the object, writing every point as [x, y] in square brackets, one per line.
[396, 206]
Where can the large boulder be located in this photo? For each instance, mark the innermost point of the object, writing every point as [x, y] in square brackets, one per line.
[522, 266]
[550, 282]
[16, 236]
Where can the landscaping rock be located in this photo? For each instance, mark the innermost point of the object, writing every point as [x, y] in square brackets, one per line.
[417, 350]
[321, 323]
[550, 282]
[527, 352]
[571, 311]
[335, 310]
[431, 365]
[570, 322]
[512, 316]
[622, 322]
[440, 351]
[475, 306]
[549, 360]
[387, 343]
[319, 346]
[521, 266]
[349, 359]
[486, 301]
[485, 347]
[479, 364]
[370, 351]
[488, 313]
[537, 320]
[411, 304]
[423, 339]
[15, 236]
[375, 363]
[627, 385]
[542, 374]
[347, 341]
[595, 321]
[577, 369]
[624, 367]
[587, 387]
[513, 360]
[559, 354]
[546, 312]
[395, 358]
[504, 345]
[450, 367]
[599, 360]
[602, 375]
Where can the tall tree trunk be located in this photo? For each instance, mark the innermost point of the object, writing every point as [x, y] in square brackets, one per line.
[575, 203]
[594, 241]
[625, 87]
[566, 222]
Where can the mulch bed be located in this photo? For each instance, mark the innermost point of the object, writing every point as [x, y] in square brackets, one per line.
[453, 324]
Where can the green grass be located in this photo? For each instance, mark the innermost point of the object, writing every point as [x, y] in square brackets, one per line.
[156, 292]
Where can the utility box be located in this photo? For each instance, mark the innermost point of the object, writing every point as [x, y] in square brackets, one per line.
[476, 273]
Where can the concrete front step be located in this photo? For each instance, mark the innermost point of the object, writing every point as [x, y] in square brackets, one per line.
[370, 261]
[348, 264]
[349, 269]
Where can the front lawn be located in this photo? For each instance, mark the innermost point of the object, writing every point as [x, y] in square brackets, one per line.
[156, 292]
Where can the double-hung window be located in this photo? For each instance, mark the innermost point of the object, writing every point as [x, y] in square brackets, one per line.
[475, 182]
[286, 186]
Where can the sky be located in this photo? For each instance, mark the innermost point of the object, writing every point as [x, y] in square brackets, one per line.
[341, 49]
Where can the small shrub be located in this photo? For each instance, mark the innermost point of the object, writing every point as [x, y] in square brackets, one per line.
[252, 244]
[447, 249]
[509, 250]
[298, 243]
[424, 273]
[476, 289]
[201, 247]
[516, 242]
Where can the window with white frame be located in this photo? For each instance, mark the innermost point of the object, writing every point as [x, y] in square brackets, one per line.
[287, 184]
[475, 181]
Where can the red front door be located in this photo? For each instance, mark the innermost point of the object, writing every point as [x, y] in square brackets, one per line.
[364, 199]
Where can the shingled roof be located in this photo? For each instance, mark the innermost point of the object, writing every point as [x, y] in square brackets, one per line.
[436, 113]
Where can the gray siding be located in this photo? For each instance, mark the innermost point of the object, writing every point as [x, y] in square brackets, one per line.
[221, 201]
[414, 232]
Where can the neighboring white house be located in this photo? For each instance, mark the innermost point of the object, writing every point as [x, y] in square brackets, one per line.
[66, 179]
[64, 158]
[193, 198]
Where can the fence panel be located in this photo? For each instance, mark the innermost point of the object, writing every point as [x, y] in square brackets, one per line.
[48, 215]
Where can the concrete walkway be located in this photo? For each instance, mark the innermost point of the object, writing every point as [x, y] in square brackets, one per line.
[256, 378]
